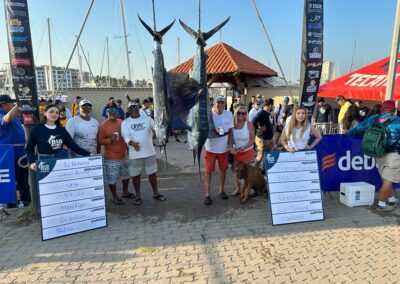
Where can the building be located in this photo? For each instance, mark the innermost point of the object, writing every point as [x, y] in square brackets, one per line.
[327, 73]
[71, 80]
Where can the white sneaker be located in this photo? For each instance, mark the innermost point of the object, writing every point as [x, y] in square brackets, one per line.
[392, 201]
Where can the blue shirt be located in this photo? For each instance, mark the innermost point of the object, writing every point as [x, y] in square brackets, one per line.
[393, 127]
[12, 133]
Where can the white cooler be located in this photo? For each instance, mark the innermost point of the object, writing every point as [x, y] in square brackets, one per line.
[357, 193]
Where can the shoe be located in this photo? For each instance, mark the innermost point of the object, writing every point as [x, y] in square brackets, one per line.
[223, 195]
[207, 201]
[384, 208]
[392, 201]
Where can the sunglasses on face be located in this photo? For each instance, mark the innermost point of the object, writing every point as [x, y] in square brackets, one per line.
[112, 110]
[241, 112]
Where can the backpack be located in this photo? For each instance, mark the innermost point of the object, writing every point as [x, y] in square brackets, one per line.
[374, 142]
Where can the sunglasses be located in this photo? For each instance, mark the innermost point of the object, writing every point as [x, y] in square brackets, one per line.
[112, 110]
[241, 112]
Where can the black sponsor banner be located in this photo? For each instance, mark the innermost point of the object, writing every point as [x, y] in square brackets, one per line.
[312, 55]
[21, 59]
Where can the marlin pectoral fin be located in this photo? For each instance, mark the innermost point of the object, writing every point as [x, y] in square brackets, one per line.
[189, 30]
[165, 30]
[210, 33]
[146, 26]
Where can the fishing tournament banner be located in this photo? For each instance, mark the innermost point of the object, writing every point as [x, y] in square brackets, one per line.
[7, 175]
[312, 53]
[71, 194]
[341, 159]
[21, 59]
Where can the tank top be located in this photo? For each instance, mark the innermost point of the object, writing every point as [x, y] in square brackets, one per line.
[242, 136]
[301, 142]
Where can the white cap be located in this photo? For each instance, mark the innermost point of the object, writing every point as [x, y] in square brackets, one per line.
[84, 102]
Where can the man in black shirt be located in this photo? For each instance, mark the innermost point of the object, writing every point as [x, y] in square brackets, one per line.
[362, 110]
[263, 124]
[323, 112]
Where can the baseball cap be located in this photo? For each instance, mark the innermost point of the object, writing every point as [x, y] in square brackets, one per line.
[388, 105]
[111, 107]
[78, 97]
[133, 104]
[339, 98]
[258, 96]
[84, 102]
[6, 99]
[145, 101]
[286, 99]
[220, 99]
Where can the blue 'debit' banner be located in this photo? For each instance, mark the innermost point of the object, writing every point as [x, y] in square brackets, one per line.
[21, 59]
[341, 159]
[312, 53]
[7, 175]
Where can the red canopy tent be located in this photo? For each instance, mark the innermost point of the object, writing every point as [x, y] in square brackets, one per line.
[367, 83]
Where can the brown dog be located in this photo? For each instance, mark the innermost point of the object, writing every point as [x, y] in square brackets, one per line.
[252, 179]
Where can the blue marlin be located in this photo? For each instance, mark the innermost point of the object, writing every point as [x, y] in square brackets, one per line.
[160, 96]
[200, 121]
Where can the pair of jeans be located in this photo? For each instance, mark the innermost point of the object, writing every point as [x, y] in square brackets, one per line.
[21, 177]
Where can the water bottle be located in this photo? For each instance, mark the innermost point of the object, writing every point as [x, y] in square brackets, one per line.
[21, 204]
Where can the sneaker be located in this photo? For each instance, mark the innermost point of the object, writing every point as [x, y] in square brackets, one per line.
[384, 207]
[207, 201]
[223, 195]
[392, 201]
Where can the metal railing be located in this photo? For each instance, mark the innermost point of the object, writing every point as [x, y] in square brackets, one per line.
[327, 128]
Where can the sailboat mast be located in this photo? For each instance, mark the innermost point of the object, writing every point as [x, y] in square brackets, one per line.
[352, 57]
[108, 65]
[80, 65]
[50, 76]
[126, 40]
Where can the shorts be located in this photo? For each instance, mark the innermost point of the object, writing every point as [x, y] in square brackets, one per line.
[245, 156]
[148, 164]
[210, 158]
[116, 170]
[389, 167]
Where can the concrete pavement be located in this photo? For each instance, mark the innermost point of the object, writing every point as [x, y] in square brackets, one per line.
[181, 240]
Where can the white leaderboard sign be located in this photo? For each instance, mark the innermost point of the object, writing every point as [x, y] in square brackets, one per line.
[294, 187]
[71, 193]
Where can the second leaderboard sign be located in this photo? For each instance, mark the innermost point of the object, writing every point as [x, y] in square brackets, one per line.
[71, 195]
[294, 187]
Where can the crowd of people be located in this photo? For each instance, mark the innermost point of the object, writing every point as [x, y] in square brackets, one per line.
[244, 133]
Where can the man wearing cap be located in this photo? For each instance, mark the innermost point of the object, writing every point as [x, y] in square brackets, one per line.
[12, 133]
[255, 109]
[121, 113]
[75, 106]
[389, 164]
[83, 128]
[280, 123]
[344, 105]
[137, 132]
[115, 162]
[216, 149]
[145, 109]
[103, 112]
[362, 110]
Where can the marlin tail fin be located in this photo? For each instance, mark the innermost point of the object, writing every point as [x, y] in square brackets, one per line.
[210, 33]
[194, 34]
[156, 35]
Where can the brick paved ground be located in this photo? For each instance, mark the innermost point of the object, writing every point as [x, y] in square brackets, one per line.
[181, 241]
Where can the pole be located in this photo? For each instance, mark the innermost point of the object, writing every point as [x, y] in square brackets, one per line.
[272, 47]
[76, 43]
[51, 87]
[199, 17]
[352, 57]
[179, 51]
[126, 40]
[80, 65]
[108, 66]
[393, 55]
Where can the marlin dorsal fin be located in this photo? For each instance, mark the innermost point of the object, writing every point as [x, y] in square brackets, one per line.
[210, 33]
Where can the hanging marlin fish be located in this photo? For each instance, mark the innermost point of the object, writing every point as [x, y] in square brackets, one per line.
[200, 118]
[160, 96]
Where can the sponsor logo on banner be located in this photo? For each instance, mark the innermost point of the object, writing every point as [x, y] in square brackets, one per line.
[19, 50]
[314, 7]
[5, 176]
[315, 41]
[328, 161]
[28, 118]
[312, 87]
[17, 13]
[43, 167]
[20, 71]
[315, 53]
[313, 74]
[314, 26]
[316, 18]
[21, 61]
[14, 22]
[310, 102]
[16, 4]
[17, 29]
[314, 34]
[19, 38]
[314, 64]
[270, 159]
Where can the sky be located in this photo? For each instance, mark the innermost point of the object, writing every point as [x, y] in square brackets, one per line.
[367, 23]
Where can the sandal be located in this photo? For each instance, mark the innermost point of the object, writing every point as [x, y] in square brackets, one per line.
[235, 193]
[138, 201]
[159, 197]
[118, 201]
[128, 195]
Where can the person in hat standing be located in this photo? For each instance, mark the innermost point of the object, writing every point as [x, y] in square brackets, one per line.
[216, 149]
[145, 109]
[75, 106]
[83, 128]
[121, 113]
[389, 164]
[137, 132]
[115, 162]
[344, 105]
[12, 132]
[280, 123]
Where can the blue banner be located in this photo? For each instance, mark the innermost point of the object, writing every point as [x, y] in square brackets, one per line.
[341, 159]
[7, 175]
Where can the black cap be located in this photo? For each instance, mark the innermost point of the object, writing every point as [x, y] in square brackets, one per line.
[78, 97]
[145, 101]
[150, 99]
[339, 98]
[6, 99]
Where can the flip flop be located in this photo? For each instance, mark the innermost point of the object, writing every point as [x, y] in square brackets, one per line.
[129, 195]
[236, 193]
[138, 201]
[118, 201]
[159, 197]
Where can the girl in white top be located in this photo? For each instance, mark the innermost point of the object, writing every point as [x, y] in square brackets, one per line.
[243, 136]
[296, 134]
